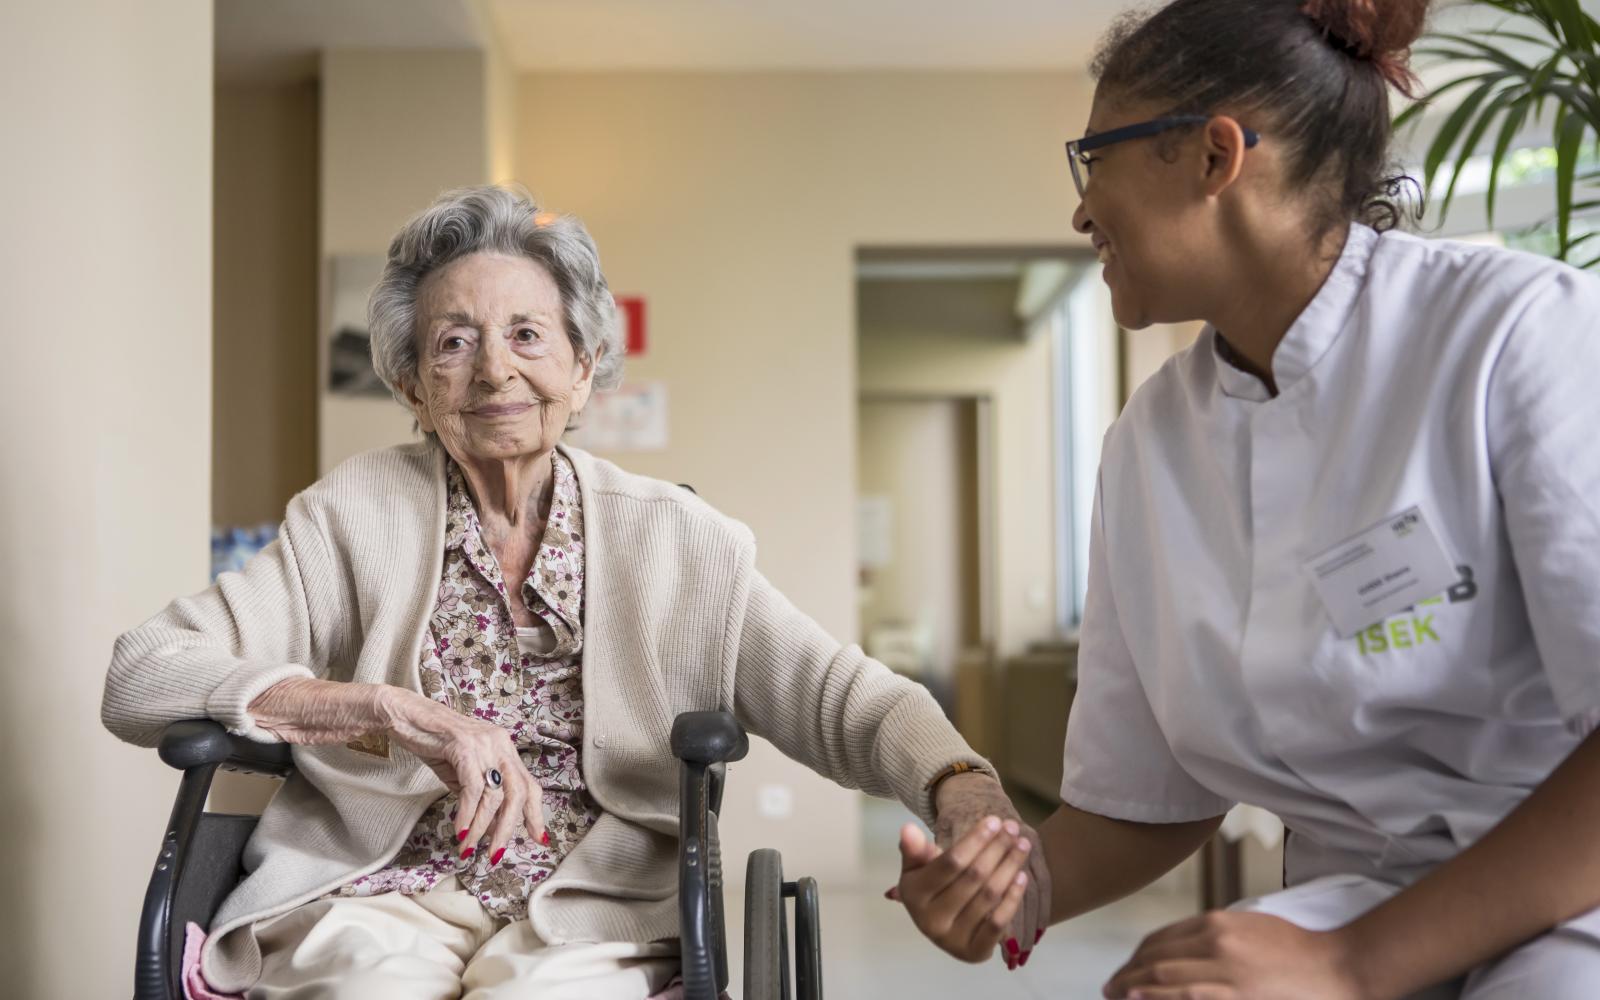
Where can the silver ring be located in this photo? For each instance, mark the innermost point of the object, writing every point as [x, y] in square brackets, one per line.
[493, 777]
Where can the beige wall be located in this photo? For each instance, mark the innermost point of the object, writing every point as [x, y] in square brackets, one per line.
[264, 365]
[500, 75]
[1145, 351]
[903, 352]
[920, 456]
[500, 110]
[106, 276]
[398, 127]
[735, 203]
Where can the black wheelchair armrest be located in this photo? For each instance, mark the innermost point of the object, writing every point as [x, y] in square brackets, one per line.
[186, 885]
[197, 742]
[704, 742]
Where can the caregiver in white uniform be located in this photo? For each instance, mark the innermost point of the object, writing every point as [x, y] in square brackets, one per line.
[1346, 551]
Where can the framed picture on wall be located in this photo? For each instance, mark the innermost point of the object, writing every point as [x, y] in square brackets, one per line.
[350, 371]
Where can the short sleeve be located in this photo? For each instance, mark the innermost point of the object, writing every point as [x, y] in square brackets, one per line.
[1543, 416]
[1117, 760]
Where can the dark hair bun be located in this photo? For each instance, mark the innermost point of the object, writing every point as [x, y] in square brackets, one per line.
[1380, 31]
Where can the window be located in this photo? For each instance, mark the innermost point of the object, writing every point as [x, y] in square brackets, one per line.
[1084, 339]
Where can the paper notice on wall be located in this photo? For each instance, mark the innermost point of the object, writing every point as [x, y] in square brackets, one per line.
[875, 531]
[630, 418]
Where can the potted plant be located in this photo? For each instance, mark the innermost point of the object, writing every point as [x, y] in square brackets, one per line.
[1541, 62]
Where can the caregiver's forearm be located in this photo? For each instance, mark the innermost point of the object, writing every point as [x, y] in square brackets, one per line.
[307, 711]
[1095, 860]
[1537, 868]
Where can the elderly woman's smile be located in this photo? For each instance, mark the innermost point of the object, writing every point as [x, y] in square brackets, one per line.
[490, 411]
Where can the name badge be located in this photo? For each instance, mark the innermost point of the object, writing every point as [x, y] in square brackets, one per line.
[1380, 571]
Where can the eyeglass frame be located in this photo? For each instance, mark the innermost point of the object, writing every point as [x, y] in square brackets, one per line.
[1076, 148]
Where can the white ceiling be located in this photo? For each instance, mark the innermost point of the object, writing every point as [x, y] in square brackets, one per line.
[279, 39]
[263, 40]
[723, 35]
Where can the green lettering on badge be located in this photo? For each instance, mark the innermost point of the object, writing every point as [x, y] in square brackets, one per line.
[1373, 640]
[1398, 633]
[1424, 627]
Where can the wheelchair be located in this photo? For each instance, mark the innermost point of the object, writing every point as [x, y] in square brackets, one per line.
[199, 864]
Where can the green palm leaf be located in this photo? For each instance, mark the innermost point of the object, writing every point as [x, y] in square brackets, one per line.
[1469, 144]
[1509, 127]
[1554, 64]
[1569, 138]
[1446, 139]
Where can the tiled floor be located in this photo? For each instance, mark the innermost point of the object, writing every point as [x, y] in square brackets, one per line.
[871, 950]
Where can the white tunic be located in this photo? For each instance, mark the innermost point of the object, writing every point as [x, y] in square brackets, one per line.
[1464, 380]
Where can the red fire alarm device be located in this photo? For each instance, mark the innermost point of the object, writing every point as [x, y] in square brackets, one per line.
[630, 309]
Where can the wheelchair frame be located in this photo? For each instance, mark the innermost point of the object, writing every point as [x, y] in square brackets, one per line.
[199, 864]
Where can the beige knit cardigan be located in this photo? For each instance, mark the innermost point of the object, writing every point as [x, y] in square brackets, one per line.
[676, 619]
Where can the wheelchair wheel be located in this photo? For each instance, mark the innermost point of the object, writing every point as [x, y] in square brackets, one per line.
[766, 932]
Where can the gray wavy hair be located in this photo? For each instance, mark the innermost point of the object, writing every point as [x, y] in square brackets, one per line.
[492, 219]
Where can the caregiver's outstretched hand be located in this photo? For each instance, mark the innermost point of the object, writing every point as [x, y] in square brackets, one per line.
[964, 899]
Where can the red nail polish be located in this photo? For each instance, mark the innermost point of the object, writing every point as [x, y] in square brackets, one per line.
[1011, 947]
[497, 856]
[469, 852]
[461, 836]
[1037, 935]
[544, 838]
[1024, 959]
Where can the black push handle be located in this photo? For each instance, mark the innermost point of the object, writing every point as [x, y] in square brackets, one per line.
[702, 741]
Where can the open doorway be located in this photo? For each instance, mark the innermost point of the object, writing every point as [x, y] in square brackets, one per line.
[964, 514]
[921, 539]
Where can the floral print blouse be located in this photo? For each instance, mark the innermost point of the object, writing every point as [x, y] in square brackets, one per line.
[472, 661]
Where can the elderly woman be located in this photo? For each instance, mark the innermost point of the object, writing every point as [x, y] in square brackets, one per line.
[478, 644]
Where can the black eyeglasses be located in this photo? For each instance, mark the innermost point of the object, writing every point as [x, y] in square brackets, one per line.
[1078, 149]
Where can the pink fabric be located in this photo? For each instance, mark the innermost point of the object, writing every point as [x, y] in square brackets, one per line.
[194, 984]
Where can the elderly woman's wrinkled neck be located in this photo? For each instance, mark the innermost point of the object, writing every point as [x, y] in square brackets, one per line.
[497, 379]
[516, 492]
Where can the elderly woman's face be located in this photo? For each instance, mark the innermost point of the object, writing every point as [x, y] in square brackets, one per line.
[497, 375]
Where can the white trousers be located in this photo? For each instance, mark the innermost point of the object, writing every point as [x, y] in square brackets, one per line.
[442, 945]
[1563, 964]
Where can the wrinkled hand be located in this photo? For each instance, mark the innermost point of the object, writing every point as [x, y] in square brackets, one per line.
[964, 801]
[963, 899]
[461, 750]
[457, 748]
[1224, 955]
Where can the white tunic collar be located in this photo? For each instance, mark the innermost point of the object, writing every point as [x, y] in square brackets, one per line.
[1313, 331]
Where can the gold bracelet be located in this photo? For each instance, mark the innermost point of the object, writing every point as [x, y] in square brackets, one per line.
[959, 767]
